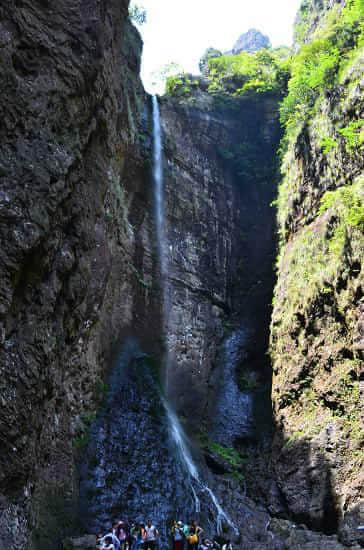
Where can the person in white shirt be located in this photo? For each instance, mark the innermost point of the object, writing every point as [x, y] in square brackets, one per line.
[114, 540]
[151, 536]
[107, 543]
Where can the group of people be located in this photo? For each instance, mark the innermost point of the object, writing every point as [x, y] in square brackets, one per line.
[191, 535]
[145, 536]
[122, 537]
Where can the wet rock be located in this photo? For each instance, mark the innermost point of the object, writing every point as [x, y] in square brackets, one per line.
[297, 537]
[87, 542]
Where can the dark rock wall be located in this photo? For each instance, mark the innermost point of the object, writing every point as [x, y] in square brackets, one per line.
[76, 241]
[131, 469]
[221, 233]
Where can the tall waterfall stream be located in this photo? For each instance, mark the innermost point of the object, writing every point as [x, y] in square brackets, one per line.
[176, 431]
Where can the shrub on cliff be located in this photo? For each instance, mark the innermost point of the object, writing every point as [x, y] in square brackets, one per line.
[181, 84]
[318, 65]
[210, 53]
[236, 75]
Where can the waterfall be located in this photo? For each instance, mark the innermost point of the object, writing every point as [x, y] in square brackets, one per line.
[176, 431]
[158, 192]
[196, 484]
[161, 238]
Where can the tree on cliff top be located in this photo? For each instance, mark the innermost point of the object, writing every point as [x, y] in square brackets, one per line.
[210, 53]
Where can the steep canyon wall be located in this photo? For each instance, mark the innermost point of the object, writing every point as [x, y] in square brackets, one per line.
[77, 261]
[80, 275]
[220, 234]
[317, 324]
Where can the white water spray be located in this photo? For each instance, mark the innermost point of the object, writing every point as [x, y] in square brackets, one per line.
[176, 431]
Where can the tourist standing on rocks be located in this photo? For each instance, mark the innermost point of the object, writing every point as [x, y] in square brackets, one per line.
[139, 534]
[178, 535]
[122, 534]
[115, 536]
[107, 543]
[111, 535]
[193, 537]
[151, 536]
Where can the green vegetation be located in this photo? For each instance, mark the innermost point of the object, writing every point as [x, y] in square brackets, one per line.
[260, 72]
[312, 415]
[160, 76]
[319, 64]
[304, 18]
[354, 135]
[312, 262]
[210, 53]
[347, 201]
[328, 144]
[231, 76]
[228, 454]
[180, 85]
[330, 60]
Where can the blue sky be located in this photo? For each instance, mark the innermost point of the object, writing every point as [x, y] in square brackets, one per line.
[180, 30]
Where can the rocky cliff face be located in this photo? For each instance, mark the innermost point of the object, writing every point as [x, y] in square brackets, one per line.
[79, 276]
[217, 208]
[317, 324]
[78, 262]
[310, 15]
[76, 241]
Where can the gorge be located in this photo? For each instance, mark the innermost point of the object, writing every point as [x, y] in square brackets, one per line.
[166, 351]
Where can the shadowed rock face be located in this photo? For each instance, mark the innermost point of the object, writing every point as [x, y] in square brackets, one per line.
[220, 178]
[75, 240]
[131, 470]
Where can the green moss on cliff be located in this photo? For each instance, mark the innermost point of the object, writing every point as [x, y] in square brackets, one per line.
[320, 63]
[228, 454]
[316, 338]
[312, 262]
[328, 67]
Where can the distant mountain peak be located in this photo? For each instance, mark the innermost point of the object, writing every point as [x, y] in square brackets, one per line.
[251, 41]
